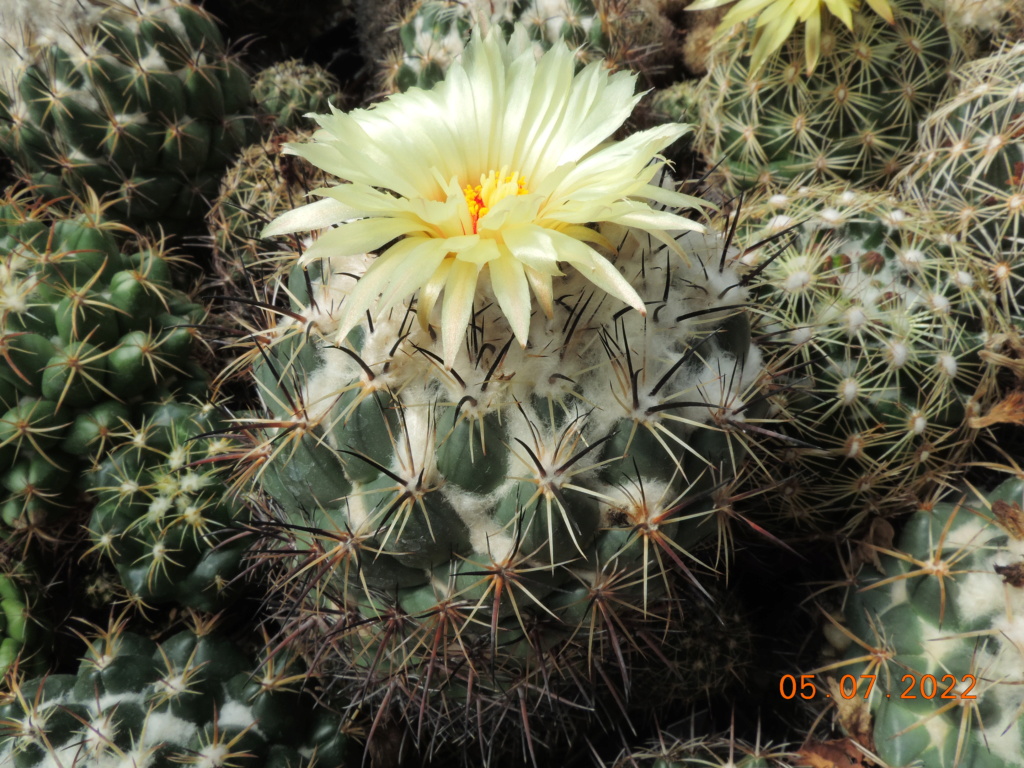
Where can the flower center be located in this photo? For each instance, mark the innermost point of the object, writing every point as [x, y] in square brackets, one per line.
[493, 187]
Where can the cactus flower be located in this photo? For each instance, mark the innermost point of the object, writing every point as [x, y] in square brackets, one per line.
[496, 176]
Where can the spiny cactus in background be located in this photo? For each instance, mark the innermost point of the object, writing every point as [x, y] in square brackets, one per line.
[433, 33]
[261, 185]
[194, 698]
[142, 102]
[873, 319]
[90, 328]
[24, 632]
[939, 627]
[998, 19]
[854, 118]
[678, 103]
[285, 92]
[970, 167]
[672, 751]
[163, 515]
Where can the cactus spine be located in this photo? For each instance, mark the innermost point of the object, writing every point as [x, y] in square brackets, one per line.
[142, 102]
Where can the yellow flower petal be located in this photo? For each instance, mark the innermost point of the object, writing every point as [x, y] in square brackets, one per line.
[512, 290]
[457, 310]
[510, 172]
[777, 18]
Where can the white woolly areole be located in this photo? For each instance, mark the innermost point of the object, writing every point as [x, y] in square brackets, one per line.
[234, 714]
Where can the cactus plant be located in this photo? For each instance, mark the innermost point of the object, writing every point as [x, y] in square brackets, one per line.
[141, 102]
[970, 167]
[163, 515]
[454, 527]
[938, 625]
[262, 184]
[286, 91]
[24, 632]
[193, 698]
[854, 118]
[484, 510]
[877, 320]
[90, 327]
[433, 33]
[670, 751]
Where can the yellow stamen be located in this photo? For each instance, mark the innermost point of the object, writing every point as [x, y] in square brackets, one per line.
[493, 187]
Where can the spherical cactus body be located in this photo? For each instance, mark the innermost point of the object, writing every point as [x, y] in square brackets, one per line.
[483, 506]
[461, 533]
[261, 185]
[163, 514]
[970, 167]
[193, 698]
[142, 102]
[286, 91]
[24, 630]
[875, 320]
[91, 326]
[855, 117]
[939, 628]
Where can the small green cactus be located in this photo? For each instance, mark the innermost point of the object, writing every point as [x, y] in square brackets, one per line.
[91, 327]
[261, 185]
[142, 102]
[970, 167]
[854, 118]
[163, 515]
[285, 92]
[194, 698]
[874, 322]
[24, 632]
[938, 625]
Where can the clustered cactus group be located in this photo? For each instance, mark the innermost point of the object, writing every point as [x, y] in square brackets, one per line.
[245, 526]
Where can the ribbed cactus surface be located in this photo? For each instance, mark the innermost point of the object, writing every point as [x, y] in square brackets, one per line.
[91, 327]
[461, 534]
[142, 101]
[855, 117]
[970, 167]
[876, 321]
[191, 699]
[940, 628]
[163, 513]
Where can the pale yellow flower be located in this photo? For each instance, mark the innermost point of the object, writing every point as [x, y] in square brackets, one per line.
[501, 170]
[777, 18]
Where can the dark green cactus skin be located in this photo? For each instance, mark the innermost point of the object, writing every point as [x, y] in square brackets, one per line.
[189, 699]
[145, 105]
[164, 518]
[947, 603]
[24, 631]
[90, 328]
